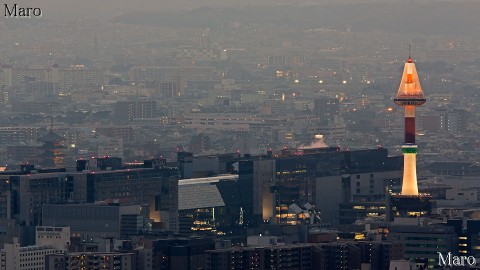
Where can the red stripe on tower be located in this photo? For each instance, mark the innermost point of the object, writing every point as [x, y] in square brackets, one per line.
[410, 130]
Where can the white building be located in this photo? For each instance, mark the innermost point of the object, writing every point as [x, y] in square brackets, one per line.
[14, 257]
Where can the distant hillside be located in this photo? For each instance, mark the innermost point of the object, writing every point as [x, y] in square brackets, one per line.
[407, 17]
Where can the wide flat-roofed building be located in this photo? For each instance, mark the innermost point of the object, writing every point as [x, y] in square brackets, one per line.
[23, 193]
[297, 256]
[90, 260]
[89, 221]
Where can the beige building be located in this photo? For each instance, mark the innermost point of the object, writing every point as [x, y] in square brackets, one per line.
[221, 121]
[166, 74]
[57, 237]
[14, 257]
[64, 79]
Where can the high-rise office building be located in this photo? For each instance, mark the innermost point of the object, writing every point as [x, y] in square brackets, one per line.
[23, 193]
[157, 187]
[323, 178]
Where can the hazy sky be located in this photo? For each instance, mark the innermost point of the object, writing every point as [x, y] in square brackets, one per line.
[75, 9]
[109, 8]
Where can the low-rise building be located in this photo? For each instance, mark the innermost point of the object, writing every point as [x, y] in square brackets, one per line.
[15, 257]
[90, 260]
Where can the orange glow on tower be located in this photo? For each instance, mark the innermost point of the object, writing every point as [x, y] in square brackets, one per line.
[410, 91]
[410, 95]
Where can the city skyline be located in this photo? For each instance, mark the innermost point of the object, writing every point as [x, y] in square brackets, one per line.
[239, 135]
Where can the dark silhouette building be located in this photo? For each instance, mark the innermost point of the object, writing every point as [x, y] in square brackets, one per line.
[297, 256]
[180, 253]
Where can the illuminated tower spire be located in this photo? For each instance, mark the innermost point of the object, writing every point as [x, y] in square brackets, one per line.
[409, 96]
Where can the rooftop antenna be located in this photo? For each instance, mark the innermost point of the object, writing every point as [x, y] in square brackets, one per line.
[410, 53]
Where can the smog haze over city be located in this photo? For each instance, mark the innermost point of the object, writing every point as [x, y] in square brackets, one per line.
[253, 134]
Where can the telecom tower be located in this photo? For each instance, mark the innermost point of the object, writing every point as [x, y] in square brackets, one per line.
[409, 203]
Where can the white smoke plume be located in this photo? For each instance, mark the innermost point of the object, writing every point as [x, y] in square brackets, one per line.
[318, 142]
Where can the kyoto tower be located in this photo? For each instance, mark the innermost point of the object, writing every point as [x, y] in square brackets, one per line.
[409, 203]
[410, 95]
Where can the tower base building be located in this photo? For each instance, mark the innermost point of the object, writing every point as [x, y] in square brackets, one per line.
[399, 205]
